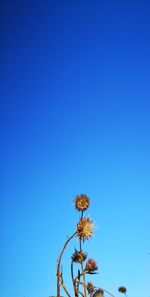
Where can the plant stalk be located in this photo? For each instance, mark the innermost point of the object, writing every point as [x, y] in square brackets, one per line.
[59, 262]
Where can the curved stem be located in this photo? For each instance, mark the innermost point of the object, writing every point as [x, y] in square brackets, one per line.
[107, 292]
[59, 261]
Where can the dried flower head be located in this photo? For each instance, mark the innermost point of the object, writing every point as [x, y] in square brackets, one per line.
[81, 202]
[91, 265]
[122, 290]
[98, 293]
[90, 287]
[85, 228]
[79, 256]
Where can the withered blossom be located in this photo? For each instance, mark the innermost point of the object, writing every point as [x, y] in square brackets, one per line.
[85, 228]
[91, 265]
[79, 256]
[81, 202]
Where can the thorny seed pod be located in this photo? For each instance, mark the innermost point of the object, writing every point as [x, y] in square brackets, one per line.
[85, 228]
[79, 256]
[81, 202]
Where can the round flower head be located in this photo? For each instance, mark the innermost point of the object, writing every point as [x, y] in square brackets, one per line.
[90, 288]
[91, 265]
[122, 290]
[79, 257]
[81, 202]
[85, 228]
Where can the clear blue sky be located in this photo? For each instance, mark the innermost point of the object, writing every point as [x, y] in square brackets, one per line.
[75, 118]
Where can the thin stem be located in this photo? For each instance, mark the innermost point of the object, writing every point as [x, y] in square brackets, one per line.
[77, 277]
[66, 290]
[78, 283]
[107, 292]
[62, 283]
[84, 281]
[73, 281]
[82, 269]
[59, 262]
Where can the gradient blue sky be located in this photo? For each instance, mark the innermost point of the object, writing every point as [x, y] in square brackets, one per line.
[75, 118]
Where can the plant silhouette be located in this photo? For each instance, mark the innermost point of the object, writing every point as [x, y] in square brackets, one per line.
[84, 231]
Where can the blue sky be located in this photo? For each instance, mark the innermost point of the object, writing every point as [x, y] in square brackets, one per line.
[75, 118]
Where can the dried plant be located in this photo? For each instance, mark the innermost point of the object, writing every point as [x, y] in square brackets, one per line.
[84, 231]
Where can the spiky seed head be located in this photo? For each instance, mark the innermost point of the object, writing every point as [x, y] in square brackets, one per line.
[81, 202]
[79, 256]
[85, 228]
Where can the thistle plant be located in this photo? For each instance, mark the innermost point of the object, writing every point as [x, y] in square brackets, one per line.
[86, 266]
